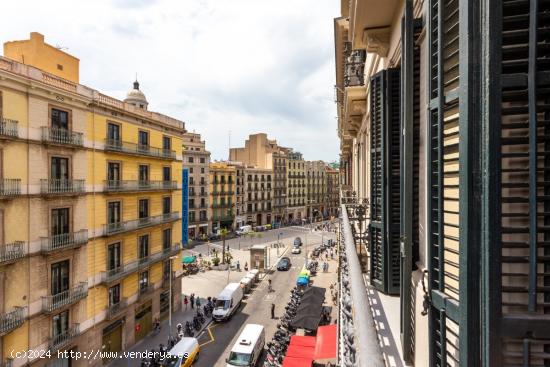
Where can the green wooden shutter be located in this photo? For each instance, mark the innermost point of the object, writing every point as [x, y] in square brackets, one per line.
[385, 169]
[516, 244]
[409, 176]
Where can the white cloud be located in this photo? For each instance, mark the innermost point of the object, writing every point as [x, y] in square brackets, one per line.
[240, 65]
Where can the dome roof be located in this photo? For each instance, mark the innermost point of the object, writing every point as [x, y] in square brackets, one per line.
[136, 97]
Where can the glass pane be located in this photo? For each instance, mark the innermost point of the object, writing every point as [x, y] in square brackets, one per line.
[166, 142]
[60, 168]
[166, 174]
[60, 119]
[60, 221]
[143, 138]
[113, 132]
[143, 208]
[113, 173]
[114, 212]
[144, 173]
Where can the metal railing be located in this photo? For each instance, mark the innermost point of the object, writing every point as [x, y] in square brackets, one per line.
[55, 301]
[358, 339]
[10, 186]
[136, 185]
[354, 69]
[8, 363]
[12, 320]
[61, 136]
[143, 291]
[117, 309]
[119, 272]
[133, 148]
[12, 251]
[9, 127]
[64, 339]
[62, 186]
[130, 225]
[64, 241]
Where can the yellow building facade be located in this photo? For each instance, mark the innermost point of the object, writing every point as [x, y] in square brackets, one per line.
[90, 212]
[222, 194]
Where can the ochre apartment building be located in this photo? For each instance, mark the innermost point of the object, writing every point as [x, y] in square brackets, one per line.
[222, 195]
[89, 209]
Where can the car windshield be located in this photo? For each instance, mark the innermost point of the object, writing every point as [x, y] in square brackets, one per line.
[171, 361]
[221, 303]
[283, 262]
[238, 359]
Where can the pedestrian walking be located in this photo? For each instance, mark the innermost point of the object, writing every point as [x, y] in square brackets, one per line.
[331, 254]
[198, 302]
[185, 301]
[238, 266]
[272, 311]
[192, 299]
[246, 266]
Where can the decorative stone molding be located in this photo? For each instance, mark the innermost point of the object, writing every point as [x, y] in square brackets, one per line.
[377, 40]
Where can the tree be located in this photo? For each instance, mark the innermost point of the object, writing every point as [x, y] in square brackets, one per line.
[223, 234]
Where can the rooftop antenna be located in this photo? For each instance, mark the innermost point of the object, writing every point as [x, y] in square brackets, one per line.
[229, 150]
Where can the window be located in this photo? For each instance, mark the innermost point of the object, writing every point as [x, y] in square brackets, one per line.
[203, 215]
[143, 242]
[203, 203]
[190, 159]
[59, 168]
[60, 119]
[202, 169]
[203, 192]
[191, 217]
[59, 67]
[249, 207]
[60, 277]
[167, 238]
[113, 132]
[60, 325]
[143, 138]
[167, 204]
[143, 173]
[165, 272]
[60, 223]
[191, 181]
[166, 143]
[202, 160]
[114, 295]
[143, 281]
[191, 203]
[143, 208]
[166, 174]
[113, 256]
[190, 169]
[114, 212]
[113, 171]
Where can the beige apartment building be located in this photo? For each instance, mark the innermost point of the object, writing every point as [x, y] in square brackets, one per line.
[197, 160]
[258, 198]
[332, 178]
[316, 189]
[223, 177]
[296, 188]
[279, 185]
[240, 192]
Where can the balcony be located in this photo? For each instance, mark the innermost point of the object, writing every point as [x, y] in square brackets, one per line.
[117, 309]
[12, 320]
[146, 290]
[131, 225]
[12, 252]
[8, 363]
[64, 339]
[133, 185]
[10, 187]
[354, 69]
[64, 241]
[53, 135]
[112, 145]
[9, 128]
[62, 187]
[65, 298]
[112, 275]
[223, 193]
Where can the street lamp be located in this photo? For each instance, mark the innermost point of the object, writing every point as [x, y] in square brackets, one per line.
[278, 235]
[170, 300]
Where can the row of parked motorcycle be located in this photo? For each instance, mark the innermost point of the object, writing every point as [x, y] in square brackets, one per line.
[325, 246]
[276, 348]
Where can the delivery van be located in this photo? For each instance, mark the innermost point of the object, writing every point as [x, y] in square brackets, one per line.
[227, 302]
[183, 354]
[248, 348]
[244, 230]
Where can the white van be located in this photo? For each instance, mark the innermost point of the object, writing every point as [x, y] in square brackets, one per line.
[244, 230]
[227, 302]
[248, 348]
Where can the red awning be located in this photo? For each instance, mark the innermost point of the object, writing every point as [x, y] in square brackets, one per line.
[297, 362]
[325, 342]
[300, 351]
[306, 341]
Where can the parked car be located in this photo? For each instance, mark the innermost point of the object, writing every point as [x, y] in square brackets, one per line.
[297, 242]
[296, 250]
[284, 264]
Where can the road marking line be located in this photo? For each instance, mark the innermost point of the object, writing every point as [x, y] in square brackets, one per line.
[212, 339]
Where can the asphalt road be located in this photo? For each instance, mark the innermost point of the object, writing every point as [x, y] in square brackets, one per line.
[218, 339]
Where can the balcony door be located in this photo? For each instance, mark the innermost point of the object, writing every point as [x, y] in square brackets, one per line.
[60, 119]
[60, 223]
[166, 174]
[143, 246]
[143, 174]
[114, 212]
[166, 143]
[113, 256]
[113, 133]
[166, 238]
[143, 139]
[143, 208]
[114, 295]
[60, 277]
[113, 172]
[59, 168]
[167, 204]
[60, 325]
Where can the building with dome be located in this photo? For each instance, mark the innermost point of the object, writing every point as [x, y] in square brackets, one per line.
[136, 97]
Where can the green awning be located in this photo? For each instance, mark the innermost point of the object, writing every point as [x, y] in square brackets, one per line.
[188, 259]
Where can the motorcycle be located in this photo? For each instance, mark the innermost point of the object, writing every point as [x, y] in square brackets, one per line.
[189, 329]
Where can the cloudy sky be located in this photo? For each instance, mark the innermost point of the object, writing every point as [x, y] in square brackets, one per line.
[243, 66]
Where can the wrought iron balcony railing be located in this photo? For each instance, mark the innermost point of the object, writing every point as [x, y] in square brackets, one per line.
[354, 69]
[12, 320]
[117, 309]
[61, 136]
[119, 272]
[10, 187]
[145, 290]
[70, 296]
[130, 225]
[132, 148]
[62, 186]
[12, 251]
[9, 128]
[134, 185]
[64, 241]
[65, 338]
[8, 363]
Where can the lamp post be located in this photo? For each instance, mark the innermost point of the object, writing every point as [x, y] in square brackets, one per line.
[170, 300]
[278, 235]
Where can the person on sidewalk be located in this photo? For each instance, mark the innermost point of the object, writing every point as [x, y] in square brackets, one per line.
[192, 300]
[198, 302]
[238, 266]
[185, 301]
[272, 311]
[246, 266]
